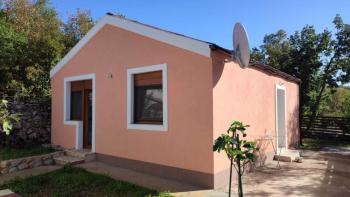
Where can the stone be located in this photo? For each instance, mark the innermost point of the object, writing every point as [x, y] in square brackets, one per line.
[5, 170]
[12, 169]
[35, 124]
[48, 162]
[23, 166]
[37, 163]
[298, 160]
[4, 164]
[15, 162]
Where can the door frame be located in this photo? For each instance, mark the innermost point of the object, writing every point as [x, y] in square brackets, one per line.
[66, 110]
[281, 87]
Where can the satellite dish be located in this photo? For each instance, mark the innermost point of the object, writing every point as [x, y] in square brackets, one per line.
[241, 50]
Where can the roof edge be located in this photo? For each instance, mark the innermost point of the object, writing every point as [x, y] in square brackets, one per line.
[174, 39]
[260, 66]
[274, 71]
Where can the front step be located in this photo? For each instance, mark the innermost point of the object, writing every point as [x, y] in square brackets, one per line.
[288, 156]
[63, 160]
[87, 155]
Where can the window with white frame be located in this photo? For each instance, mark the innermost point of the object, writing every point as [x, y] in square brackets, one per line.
[147, 98]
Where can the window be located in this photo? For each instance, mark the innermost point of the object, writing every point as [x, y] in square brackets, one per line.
[148, 98]
[147, 101]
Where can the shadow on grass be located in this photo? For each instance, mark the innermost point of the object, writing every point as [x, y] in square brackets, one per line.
[73, 181]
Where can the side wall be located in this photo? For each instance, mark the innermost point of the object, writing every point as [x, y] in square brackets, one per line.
[187, 145]
[248, 95]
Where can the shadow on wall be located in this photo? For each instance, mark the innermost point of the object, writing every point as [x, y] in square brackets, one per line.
[293, 129]
[218, 67]
[267, 148]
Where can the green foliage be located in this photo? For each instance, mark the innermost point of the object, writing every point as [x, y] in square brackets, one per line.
[72, 181]
[237, 149]
[334, 102]
[234, 147]
[76, 27]
[6, 118]
[32, 40]
[345, 109]
[7, 153]
[320, 60]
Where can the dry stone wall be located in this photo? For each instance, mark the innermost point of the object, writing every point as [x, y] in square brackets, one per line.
[9, 166]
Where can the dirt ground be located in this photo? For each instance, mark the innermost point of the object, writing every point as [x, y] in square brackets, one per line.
[324, 172]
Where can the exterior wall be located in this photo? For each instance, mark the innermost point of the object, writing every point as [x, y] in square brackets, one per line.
[248, 95]
[188, 142]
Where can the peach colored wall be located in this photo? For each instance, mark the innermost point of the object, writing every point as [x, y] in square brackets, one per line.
[248, 95]
[188, 141]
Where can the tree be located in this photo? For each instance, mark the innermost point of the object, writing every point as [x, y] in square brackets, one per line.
[77, 26]
[320, 60]
[345, 102]
[239, 151]
[33, 40]
[11, 44]
[40, 26]
[335, 62]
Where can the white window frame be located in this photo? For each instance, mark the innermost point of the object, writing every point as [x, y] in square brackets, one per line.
[66, 110]
[281, 87]
[130, 97]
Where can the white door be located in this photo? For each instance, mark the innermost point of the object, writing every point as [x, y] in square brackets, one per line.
[281, 117]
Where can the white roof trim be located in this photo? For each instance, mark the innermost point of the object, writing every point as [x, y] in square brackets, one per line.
[187, 43]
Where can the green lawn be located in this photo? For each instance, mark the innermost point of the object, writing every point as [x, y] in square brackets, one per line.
[73, 181]
[13, 153]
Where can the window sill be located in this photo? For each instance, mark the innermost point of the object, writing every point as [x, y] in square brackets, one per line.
[148, 127]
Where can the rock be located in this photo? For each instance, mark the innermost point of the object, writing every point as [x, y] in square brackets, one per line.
[4, 164]
[48, 162]
[15, 162]
[37, 163]
[13, 169]
[23, 166]
[298, 160]
[5, 171]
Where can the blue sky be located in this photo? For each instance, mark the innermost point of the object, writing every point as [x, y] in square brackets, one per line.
[212, 20]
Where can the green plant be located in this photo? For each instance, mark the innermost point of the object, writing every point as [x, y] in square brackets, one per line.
[6, 118]
[239, 151]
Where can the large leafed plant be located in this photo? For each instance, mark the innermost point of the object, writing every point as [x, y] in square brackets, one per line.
[239, 151]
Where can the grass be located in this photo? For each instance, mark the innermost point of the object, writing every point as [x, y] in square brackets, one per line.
[73, 181]
[310, 143]
[7, 153]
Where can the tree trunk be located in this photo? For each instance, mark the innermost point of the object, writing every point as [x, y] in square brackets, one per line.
[240, 188]
[316, 105]
[229, 189]
[319, 96]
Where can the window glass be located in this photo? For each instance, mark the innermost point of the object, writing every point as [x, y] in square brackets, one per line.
[148, 98]
[76, 105]
[149, 104]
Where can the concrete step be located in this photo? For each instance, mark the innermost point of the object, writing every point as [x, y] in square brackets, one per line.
[87, 155]
[63, 160]
[288, 156]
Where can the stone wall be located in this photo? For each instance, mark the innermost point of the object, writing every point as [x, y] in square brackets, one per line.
[9, 166]
[34, 126]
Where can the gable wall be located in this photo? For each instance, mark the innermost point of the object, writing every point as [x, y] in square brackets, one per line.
[187, 143]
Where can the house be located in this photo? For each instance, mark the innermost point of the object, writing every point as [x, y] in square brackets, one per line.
[154, 101]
